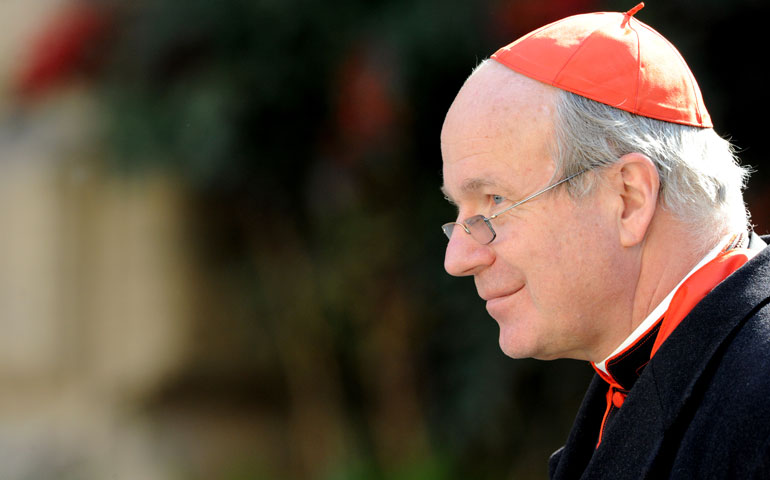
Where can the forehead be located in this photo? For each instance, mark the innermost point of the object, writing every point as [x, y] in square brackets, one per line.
[498, 131]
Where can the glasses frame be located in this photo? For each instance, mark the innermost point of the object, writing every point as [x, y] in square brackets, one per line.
[487, 220]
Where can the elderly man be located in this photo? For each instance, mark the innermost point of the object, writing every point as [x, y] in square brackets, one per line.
[602, 219]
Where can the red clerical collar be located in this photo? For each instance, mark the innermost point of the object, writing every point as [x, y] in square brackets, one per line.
[624, 367]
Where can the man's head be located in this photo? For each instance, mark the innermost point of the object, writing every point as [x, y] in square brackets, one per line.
[571, 271]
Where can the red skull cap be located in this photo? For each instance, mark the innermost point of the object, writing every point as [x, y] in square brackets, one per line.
[614, 59]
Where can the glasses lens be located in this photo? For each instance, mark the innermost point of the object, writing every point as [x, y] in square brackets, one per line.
[448, 229]
[480, 230]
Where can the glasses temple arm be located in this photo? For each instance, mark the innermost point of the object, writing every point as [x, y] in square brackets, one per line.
[536, 194]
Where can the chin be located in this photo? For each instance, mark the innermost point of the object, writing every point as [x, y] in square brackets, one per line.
[518, 346]
[513, 347]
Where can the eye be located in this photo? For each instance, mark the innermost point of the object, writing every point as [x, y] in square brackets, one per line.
[498, 199]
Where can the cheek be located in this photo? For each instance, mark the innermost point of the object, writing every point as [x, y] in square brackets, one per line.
[570, 258]
[591, 275]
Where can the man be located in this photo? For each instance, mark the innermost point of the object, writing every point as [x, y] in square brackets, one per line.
[602, 219]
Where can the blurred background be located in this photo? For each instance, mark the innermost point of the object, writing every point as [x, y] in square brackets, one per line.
[220, 255]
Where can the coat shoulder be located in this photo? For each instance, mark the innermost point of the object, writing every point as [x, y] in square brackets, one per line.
[725, 424]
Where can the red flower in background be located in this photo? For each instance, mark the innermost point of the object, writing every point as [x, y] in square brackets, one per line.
[62, 48]
[365, 109]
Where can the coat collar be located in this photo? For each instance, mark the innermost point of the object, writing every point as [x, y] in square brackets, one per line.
[712, 322]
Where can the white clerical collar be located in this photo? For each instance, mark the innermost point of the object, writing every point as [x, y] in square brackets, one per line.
[658, 312]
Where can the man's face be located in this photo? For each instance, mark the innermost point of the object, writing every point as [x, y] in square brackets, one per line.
[548, 278]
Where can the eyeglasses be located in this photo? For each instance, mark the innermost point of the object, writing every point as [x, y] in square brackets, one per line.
[480, 227]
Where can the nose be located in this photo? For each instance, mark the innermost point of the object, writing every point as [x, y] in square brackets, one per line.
[465, 256]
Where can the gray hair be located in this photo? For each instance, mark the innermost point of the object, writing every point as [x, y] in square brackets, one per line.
[701, 181]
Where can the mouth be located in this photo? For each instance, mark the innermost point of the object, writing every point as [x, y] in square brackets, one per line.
[496, 299]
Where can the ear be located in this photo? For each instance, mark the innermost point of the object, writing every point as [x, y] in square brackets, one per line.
[636, 182]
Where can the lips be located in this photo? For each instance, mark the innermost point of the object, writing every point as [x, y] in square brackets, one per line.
[496, 302]
[489, 297]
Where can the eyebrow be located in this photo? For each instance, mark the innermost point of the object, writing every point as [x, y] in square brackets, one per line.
[469, 186]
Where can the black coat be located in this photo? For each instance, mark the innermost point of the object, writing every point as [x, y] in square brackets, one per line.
[701, 407]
